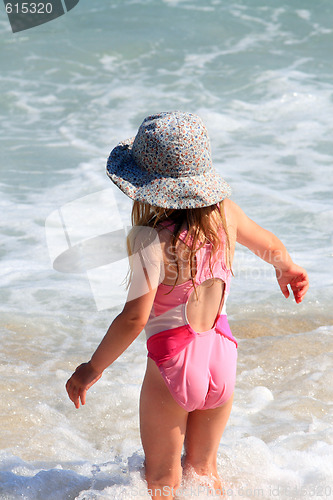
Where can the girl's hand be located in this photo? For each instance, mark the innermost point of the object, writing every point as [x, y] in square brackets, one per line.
[296, 277]
[81, 380]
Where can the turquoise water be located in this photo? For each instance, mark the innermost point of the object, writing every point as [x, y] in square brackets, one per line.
[260, 75]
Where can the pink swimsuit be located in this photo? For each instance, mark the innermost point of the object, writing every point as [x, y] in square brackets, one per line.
[198, 368]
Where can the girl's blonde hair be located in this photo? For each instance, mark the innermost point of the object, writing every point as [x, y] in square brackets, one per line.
[204, 226]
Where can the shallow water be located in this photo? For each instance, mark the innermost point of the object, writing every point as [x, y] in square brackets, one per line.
[260, 76]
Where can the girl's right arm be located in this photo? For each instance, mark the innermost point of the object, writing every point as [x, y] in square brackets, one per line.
[269, 248]
[146, 264]
[122, 332]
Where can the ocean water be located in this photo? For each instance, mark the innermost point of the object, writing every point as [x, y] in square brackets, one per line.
[260, 75]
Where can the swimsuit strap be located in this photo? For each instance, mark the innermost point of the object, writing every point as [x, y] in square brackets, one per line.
[203, 256]
[170, 227]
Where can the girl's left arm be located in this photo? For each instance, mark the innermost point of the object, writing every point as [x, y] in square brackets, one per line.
[271, 249]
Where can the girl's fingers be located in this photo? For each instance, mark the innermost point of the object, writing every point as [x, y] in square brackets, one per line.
[300, 284]
[81, 380]
[284, 290]
[296, 280]
[83, 396]
[75, 397]
[300, 292]
[73, 393]
[300, 287]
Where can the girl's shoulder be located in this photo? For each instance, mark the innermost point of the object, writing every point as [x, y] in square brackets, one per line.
[230, 207]
[233, 213]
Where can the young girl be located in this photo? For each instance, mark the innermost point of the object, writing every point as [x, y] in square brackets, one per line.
[181, 249]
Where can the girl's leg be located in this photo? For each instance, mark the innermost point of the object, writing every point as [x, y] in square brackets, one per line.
[163, 427]
[203, 434]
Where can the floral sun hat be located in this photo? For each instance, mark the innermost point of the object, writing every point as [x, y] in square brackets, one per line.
[168, 164]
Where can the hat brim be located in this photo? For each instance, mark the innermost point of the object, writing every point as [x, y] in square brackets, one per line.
[162, 191]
